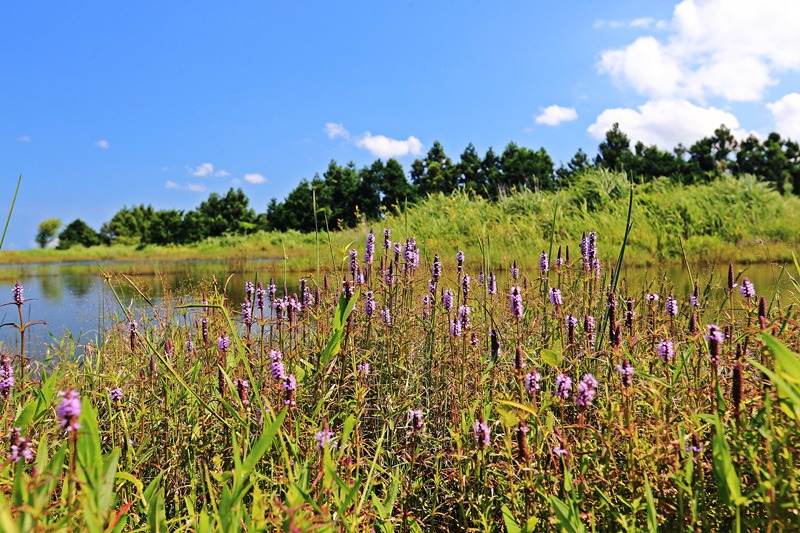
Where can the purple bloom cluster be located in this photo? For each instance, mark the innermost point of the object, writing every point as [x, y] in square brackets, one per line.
[447, 300]
[415, 419]
[514, 271]
[223, 343]
[247, 312]
[483, 437]
[387, 238]
[747, 289]
[386, 317]
[290, 386]
[587, 389]
[652, 297]
[460, 260]
[325, 438]
[436, 268]
[16, 292]
[363, 368]
[455, 327]
[6, 376]
[666, 350]
[69, 410]
[544, 263]
[563, 386]
[115, 394]
[19, 448]
[276, 366]
[516, 302]
[531, 381]
[715, 337]
[370, 306]
[411, 254]
[426, 307]
[555, 297]
[465, 281]
[492, 284]
[369, 248]
[672, 305]
[249, 289]
[260, 296]
[463, 313]
[626, 372]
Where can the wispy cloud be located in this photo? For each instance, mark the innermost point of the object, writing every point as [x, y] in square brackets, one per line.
[386, 147]
[786, 113]
[203, 170]
[24, 139]
[193, 187]
[640, 23]
[334, 130]
[254, 177]
[102, 144]
[555, 114]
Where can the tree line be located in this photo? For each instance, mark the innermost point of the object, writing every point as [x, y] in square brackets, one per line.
[344, 194]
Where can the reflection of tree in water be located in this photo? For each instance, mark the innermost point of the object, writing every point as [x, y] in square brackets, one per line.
[79, 285]
[52, 287]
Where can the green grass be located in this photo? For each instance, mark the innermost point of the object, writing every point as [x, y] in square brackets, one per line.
[730, 219]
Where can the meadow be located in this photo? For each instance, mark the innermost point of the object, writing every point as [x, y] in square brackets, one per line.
[409, 390]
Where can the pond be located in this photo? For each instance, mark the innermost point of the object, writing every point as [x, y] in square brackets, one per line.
[75, 298]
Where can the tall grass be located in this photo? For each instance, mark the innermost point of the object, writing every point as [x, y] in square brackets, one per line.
[212, 437]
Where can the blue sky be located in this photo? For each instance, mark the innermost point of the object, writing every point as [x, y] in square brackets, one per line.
[105, 104]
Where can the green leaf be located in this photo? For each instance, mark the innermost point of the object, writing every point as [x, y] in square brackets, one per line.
[567, 516]
[551, 357]
[508, 518]
[652, 516]
[727, 479]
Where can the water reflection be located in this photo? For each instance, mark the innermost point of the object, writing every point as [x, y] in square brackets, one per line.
[74, 297]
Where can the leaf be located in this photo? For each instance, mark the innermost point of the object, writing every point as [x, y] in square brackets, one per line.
[567, 516]
[551, 358]
[652, 516]
[508, 518]
[727, 479]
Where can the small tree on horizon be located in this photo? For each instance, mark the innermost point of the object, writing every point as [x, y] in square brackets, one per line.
[48, 229]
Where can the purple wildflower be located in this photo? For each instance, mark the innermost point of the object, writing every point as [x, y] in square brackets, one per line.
[386, 317]
[436, 268]
[447, 300]
[19, 448]
[17, 293]
[415, 419]
[555, 297]
[516, 302]
[290, 386]
[715, 337]
[463, 313]
[455, 327]
[492, 284]
[747, 289]
[370, 306]
[531, 382]
[671, 306]
[563, 386]
[544, 263]
[276, 366]
[514, 271]
[558, 451]
[626, 372]
[460, 261]
[483, 437]
[115, 394]
[387, 238]
[651, 297]
[6, 376]
[363, 368]
[426, 307]
[247, 312]
[325, 438]
[666, 350]
[249, 289]
[369, 248]
[260, 297]
[465, 286]
[223, 343]
[69, 410]
[587, 389]
[271, 290]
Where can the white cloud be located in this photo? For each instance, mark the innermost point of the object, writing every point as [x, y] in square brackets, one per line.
[384, 147]
[24, 139]
[665, 123]
[732, 49]
[102, 144]
[188, 187]
[786, 113]
[254, 178]
[206, 169]
[334, 130]
[638, 23]
[555, 114]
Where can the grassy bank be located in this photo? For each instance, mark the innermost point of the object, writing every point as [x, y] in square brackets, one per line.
[731, 219]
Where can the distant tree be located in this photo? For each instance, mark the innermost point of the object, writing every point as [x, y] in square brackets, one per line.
[566, 174]
[522, 167]
[227, 214]
[395, 188]
[492, 174]
[435, 173]
[648, 163]
[128, 225]
[166, 227]
[614, 153]
[469, 168]
[48, 229]
[77, 232]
